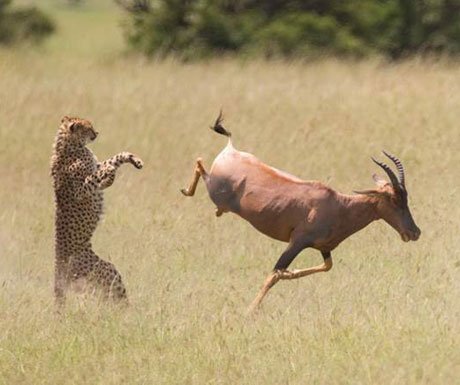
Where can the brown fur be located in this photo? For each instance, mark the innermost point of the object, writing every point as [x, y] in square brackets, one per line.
[302, 213]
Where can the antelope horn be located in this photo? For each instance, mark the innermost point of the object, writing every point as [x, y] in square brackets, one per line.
[390, 173]
[399, 166]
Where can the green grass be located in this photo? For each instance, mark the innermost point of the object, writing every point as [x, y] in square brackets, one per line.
[387, 313]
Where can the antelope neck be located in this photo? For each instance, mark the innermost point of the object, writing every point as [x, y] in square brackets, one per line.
[358, 211]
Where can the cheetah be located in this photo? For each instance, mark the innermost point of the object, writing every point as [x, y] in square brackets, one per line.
[78, 181]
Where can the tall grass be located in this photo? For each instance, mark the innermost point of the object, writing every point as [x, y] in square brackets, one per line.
[387, 313]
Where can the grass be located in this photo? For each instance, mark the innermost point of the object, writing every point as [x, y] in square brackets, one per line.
[387, 313]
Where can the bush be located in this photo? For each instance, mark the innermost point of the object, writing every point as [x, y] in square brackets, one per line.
[306, 34]
[25, 24]
[300, 28]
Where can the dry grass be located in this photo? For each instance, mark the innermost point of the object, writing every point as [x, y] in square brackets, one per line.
[387, 313]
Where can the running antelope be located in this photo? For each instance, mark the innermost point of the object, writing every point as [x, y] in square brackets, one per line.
[302, 213]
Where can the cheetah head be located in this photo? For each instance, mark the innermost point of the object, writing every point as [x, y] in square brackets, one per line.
[80, 130]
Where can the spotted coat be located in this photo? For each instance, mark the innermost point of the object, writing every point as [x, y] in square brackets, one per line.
[78, 181]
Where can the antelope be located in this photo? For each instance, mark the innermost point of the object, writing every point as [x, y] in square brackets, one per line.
[305, 214]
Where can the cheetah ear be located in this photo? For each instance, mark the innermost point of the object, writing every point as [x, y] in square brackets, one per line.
[65, 119]
[72, 126]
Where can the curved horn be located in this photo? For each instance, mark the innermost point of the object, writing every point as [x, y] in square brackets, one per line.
[390, 173]
[399, 166]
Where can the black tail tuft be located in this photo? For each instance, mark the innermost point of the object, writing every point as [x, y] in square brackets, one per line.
[217, 127]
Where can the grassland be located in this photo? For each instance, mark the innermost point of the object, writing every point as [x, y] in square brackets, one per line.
[387, 313]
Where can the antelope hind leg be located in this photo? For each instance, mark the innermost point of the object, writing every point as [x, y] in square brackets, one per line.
[199, 171]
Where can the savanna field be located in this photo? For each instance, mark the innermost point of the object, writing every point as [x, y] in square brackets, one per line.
[387, 313]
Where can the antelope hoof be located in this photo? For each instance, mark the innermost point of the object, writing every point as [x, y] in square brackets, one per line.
[185, 192]
[253, 309]
[219, 212]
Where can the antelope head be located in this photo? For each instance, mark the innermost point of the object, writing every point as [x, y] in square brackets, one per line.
[392, 205]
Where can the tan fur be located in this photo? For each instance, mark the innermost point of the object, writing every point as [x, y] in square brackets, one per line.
[78, 181]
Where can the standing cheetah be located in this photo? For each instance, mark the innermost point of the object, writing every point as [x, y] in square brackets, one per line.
[78, 181]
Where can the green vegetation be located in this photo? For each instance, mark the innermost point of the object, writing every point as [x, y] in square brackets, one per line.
[387, 313]
[23, 24]
[291, 28]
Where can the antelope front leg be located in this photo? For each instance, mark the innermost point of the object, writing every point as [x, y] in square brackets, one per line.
[326, 266]
[199, 171]
[284, 261]
[271, 280]
[282, 273]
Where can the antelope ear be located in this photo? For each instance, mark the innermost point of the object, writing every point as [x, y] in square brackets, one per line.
[379, 181]
[368, 192]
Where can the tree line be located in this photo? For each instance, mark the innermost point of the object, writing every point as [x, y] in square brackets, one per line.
[193, 29]
[293, 28]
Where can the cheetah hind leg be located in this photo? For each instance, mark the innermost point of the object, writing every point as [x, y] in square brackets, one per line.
[106, 276]
[60, 286]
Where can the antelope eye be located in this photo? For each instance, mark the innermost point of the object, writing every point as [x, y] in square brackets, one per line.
[399, 202]
[395, 200]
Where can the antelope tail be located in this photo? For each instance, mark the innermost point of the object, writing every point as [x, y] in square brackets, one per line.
[217, 127]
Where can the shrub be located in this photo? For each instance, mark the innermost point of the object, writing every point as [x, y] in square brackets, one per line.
[24, 24]
[306, 34]
[305, 28]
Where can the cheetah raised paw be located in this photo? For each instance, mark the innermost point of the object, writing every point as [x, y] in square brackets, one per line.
[135, 161]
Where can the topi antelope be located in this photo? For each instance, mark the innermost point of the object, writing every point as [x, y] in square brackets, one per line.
[302, 213]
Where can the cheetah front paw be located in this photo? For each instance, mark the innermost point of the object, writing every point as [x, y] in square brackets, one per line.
[136, 162]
